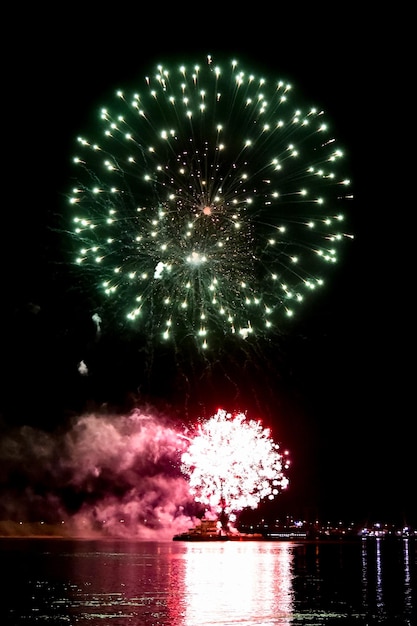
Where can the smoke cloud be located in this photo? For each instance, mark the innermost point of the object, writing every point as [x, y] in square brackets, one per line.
[114, 475]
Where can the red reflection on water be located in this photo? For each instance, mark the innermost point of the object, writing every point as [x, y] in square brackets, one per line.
[231, 582]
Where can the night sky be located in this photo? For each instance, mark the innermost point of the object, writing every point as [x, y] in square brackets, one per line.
[335, 388]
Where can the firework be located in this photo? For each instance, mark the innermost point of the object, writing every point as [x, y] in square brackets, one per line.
[207, 204]
[233, 464]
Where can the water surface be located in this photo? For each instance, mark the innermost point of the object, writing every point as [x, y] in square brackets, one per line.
[268, 583]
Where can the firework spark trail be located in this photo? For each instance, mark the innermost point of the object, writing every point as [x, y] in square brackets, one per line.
[210, 205]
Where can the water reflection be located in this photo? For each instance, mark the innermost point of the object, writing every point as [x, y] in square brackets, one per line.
[228, 583]
[378, 582]
[121, 581]
[408, 596]
[364, 574]
[219, 584]
[387, 585]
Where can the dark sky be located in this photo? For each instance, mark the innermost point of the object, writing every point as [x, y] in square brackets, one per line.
[337, 387]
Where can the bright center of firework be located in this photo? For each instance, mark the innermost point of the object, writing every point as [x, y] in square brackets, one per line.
[211, 160]
[196, 259]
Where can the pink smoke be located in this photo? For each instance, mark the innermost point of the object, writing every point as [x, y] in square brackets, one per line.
[112, 475]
